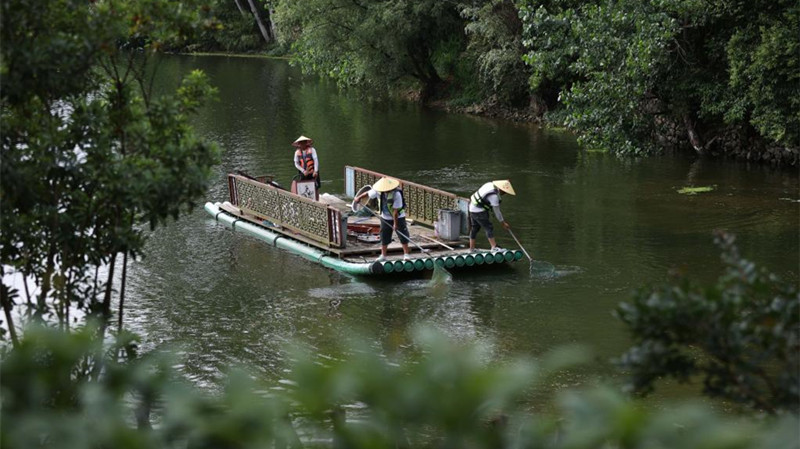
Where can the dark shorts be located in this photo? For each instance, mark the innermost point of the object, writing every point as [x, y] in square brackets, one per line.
[480, 220]
[386, 231]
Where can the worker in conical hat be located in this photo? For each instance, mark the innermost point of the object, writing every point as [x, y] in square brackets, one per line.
[481, 202]
[392, 210]
[305, 159]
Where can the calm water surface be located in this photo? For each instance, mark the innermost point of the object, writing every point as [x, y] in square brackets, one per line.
[608, 225]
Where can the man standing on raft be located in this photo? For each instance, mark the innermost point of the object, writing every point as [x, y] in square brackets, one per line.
[305, 159]
[391, 207]
[486, 198]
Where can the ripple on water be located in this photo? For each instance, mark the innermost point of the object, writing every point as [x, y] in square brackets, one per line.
[341, 291]
[544, 276]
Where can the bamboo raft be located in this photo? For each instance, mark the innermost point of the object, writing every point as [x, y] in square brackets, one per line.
[326, 231]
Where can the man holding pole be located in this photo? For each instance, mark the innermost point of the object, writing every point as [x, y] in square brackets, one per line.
[485, 199]
[391, 206]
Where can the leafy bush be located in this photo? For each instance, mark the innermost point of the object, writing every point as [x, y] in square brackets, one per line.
[450, 396]
[741, 336]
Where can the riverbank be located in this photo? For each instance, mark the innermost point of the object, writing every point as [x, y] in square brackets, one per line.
[490, 109]
[733, 143]
[236, 55]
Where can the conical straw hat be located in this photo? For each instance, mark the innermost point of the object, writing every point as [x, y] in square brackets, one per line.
[296, 143]
[505, 186]
[386, 184]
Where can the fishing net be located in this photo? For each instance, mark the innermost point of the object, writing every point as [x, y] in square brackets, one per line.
[440, 275]
[540, 268]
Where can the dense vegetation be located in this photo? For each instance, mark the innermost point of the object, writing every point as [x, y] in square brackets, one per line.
[630, 77]
[91, 156]
[243, 26]
[446, 398]
[643, 75]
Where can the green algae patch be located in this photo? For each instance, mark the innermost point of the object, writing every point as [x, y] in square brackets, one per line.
[695, 190]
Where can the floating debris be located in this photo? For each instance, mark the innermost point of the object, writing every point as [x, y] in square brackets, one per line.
[696, 190]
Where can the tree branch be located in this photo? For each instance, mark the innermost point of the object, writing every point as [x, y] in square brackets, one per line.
[8, 305]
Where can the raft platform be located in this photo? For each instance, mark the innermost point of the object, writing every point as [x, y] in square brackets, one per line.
[328, 232]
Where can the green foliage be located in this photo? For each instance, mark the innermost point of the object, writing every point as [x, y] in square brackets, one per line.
[51, 398]
[637, 76]
[495, 39]
[742, 336]
[411, 402]
[605, 58]
[370, 43]
[764, 57]
[46, 64]
[88, 152]
[449, 396]
[235, 32]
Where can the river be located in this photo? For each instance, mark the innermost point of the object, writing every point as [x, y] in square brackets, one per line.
[608, 225]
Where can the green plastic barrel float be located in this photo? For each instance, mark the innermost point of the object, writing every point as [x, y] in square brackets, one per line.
[439, 262]
[518, 254]
[398, 266]
[449, 262]
[460, 262]
[498, 257]
[388, 267]
[478, 259]
[469, 260]
[509, 256]
[408, 266]
[488, 258]
[419, 264]
[429, 264]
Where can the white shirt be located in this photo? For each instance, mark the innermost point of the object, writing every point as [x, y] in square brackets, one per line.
[493, 199]
[397, 203]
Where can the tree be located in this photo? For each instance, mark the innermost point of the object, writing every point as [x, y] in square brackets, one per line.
[267, 29]
[88, 152]
[494, 31]
[764, 55]
[235, 30]
[741, 336]
[371, 43]
[638, 77]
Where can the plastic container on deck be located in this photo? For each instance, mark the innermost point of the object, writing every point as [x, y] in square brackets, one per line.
[448, 227]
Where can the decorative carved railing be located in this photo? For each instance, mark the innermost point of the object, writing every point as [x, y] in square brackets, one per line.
[422, 202]
[309, 218]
